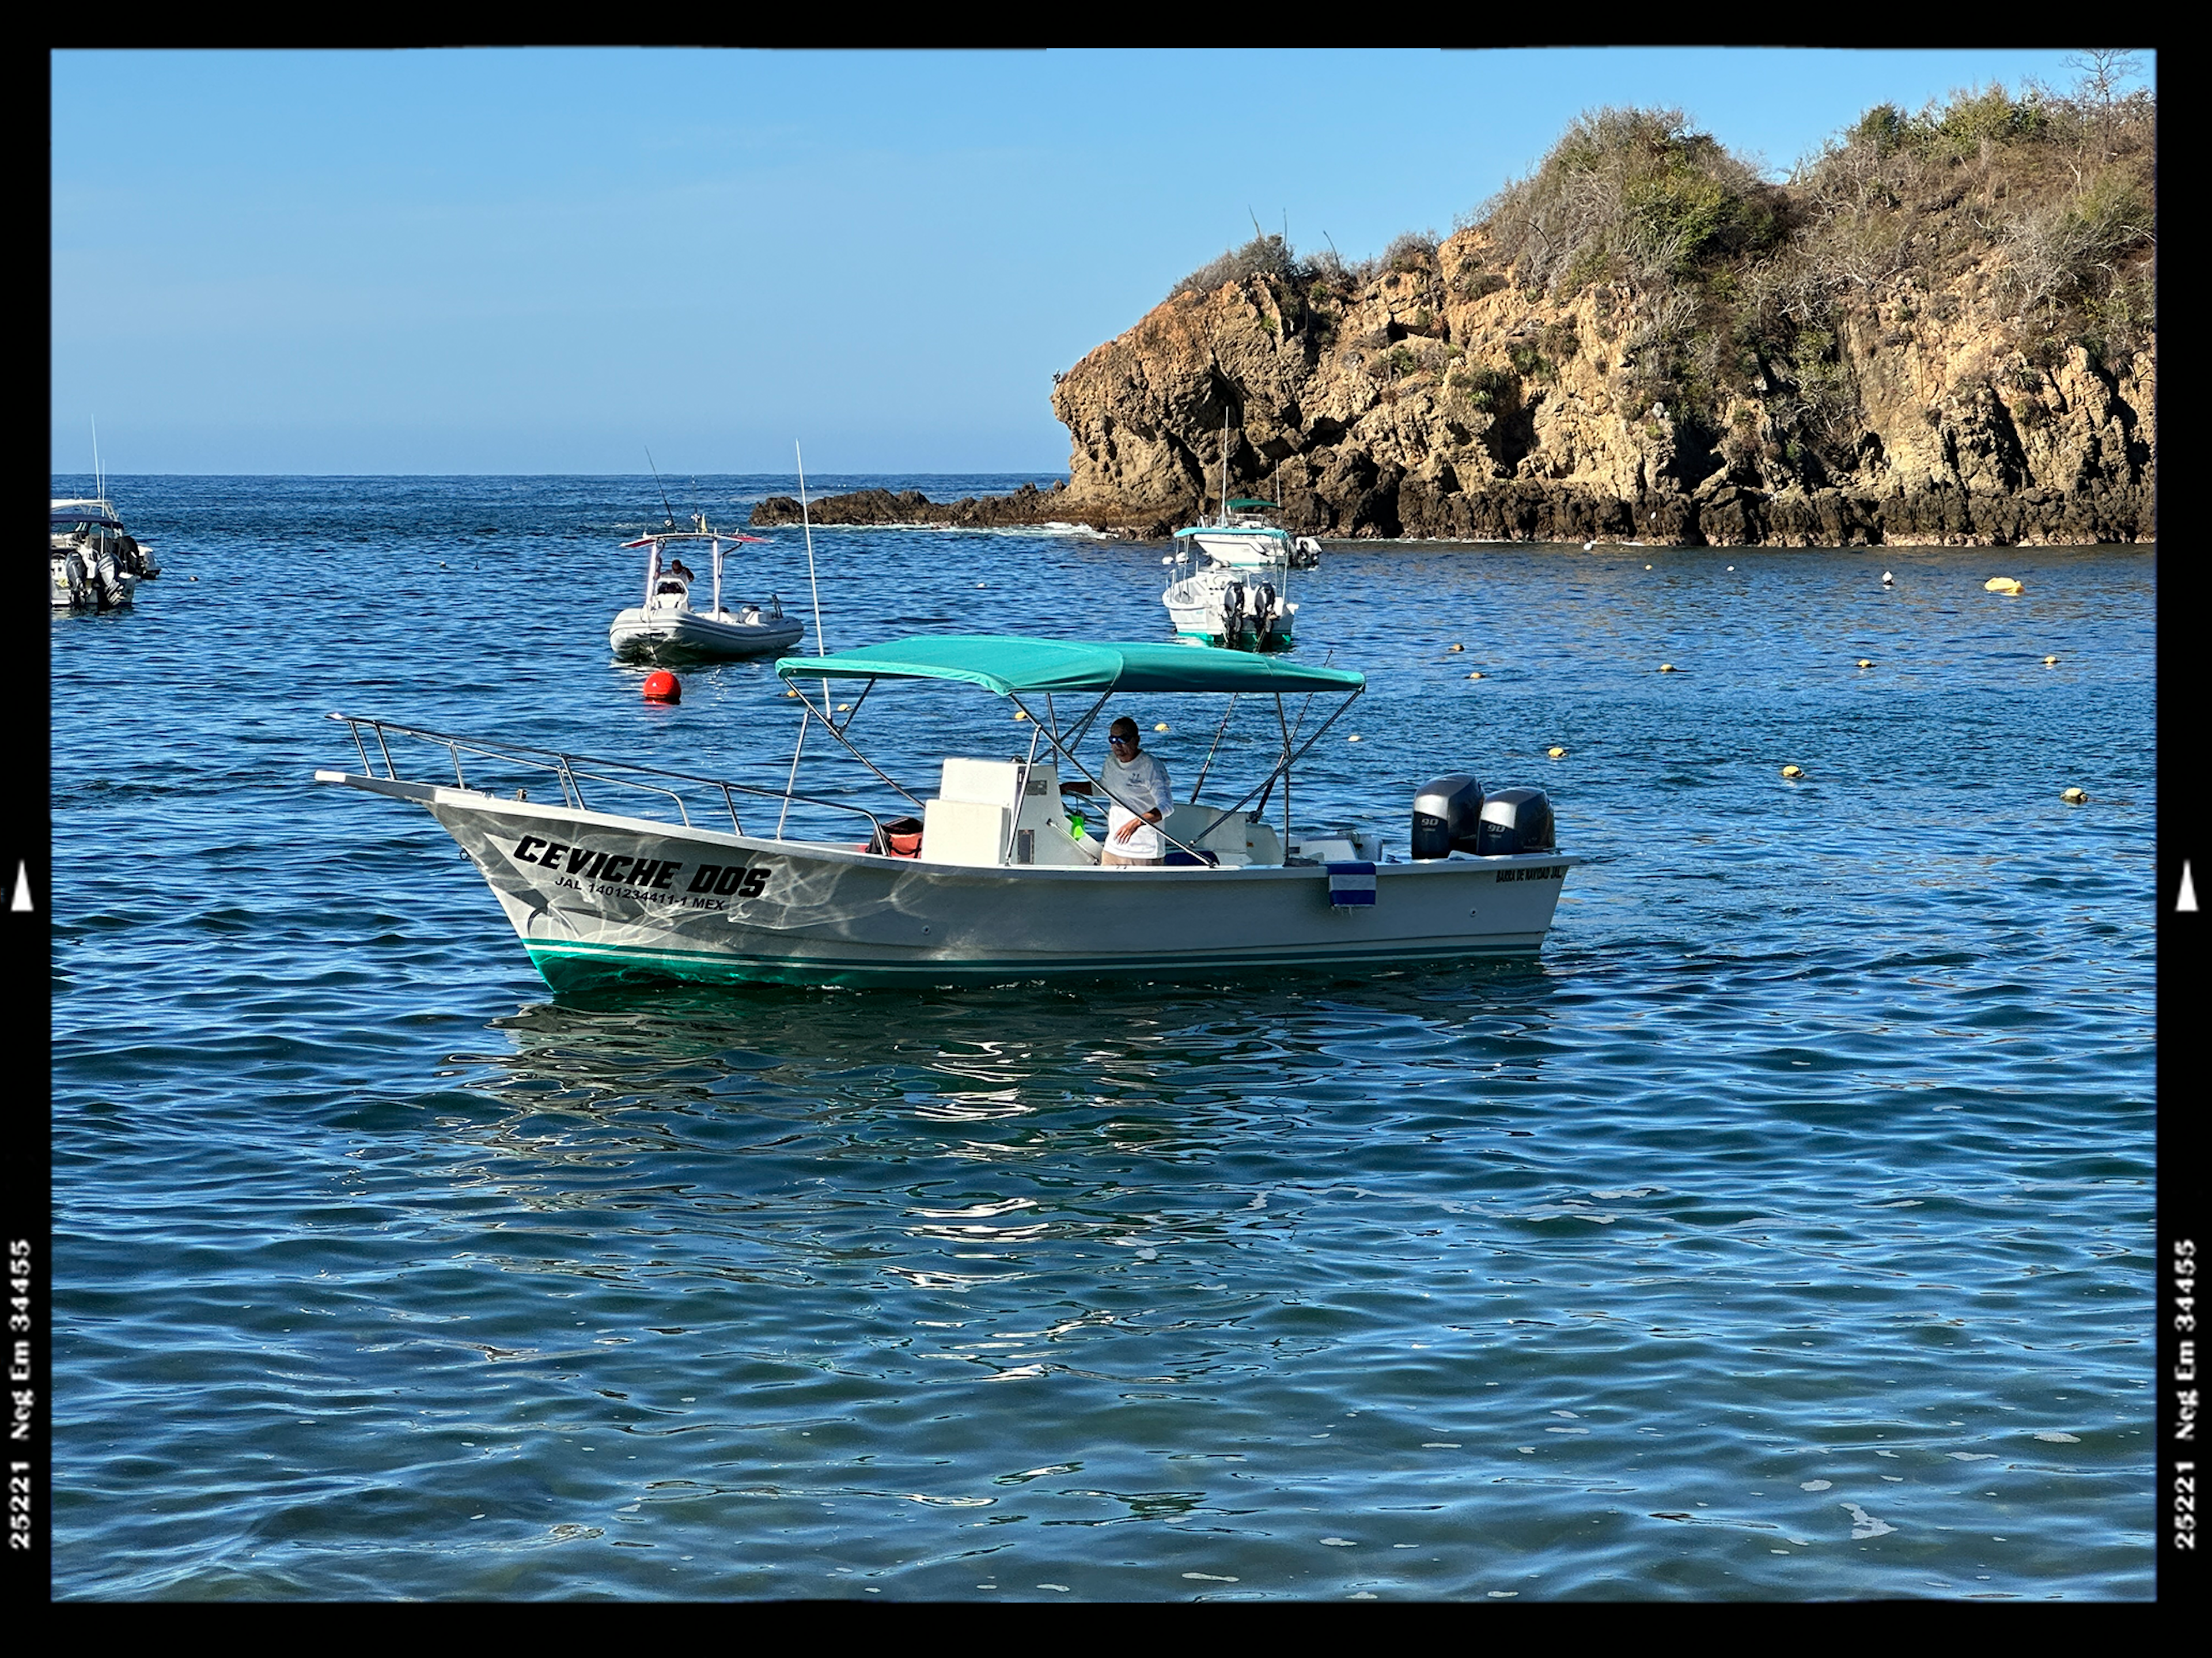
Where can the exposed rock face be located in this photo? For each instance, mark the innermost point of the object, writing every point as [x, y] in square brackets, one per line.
[1425, 406]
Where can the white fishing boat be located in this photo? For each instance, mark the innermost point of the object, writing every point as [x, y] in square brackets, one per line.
[1241, 535]
[665, 626]
[998, 877]
[1240, 608]
[94, 564]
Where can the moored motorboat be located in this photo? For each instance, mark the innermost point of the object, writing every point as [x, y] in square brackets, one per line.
[998, 879]
[1243, 609]
[93, 562]
[666, 626]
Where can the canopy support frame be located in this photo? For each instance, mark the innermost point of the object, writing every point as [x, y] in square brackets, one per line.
[831, 724]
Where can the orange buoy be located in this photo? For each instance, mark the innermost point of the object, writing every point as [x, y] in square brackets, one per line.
[662, 686]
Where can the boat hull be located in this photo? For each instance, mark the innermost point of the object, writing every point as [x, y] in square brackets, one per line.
[600, 900]
[640, 632]
[1196, 611]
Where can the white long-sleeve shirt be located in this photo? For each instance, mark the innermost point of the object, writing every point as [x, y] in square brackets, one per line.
[1142, 781]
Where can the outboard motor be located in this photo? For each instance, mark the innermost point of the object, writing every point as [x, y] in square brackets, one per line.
[1515, 820]
[72, 582]
[1447, 814]
[109, 579]
[1232, 610]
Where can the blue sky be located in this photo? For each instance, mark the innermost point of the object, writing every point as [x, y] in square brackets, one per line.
[547, 260]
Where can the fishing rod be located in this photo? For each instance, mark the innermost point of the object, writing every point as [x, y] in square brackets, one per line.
[1290, 736]
[1208, 766]
[669, 518]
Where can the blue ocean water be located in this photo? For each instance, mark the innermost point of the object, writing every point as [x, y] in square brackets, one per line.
[1782, 1232]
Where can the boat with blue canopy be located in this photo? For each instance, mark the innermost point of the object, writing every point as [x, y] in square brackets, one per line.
[989, 870]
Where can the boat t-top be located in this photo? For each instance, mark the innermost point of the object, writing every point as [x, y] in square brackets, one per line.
[666, 626]
[995, 874]
[1243, 537]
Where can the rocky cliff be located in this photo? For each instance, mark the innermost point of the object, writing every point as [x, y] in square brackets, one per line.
[1942, 330]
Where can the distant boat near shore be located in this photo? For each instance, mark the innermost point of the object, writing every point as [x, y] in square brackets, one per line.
[666, 625]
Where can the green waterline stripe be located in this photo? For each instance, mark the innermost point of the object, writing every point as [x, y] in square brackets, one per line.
[728, 962]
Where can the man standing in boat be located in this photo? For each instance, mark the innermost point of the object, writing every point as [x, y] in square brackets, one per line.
[1137, 785]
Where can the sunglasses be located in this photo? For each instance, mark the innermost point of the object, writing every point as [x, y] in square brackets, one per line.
[1123, 740]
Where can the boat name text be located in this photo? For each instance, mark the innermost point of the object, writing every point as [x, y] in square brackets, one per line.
[648, 874]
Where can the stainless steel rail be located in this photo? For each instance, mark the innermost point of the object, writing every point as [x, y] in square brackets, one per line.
[574, 769]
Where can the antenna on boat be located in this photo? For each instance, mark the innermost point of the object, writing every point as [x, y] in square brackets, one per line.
[668, 511]
[98, 485]
[1225, 460]
[808, 523]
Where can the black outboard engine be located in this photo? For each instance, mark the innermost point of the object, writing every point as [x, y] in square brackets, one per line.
[1447, 814]
[1514, 820]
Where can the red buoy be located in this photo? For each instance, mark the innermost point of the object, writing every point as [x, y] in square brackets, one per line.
[662, 686]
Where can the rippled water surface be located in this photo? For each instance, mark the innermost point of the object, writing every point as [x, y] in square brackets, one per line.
[1782, 1231]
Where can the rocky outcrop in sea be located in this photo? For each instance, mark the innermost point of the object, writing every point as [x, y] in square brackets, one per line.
[1028, 505]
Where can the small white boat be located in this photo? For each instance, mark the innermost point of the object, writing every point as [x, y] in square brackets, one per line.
[1241, 608]
[666, 626]
[94, 564]
[997, 878]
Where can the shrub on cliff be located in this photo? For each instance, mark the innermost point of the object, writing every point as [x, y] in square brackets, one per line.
[1413, 253]
[1263, 256]
[2057, 193]
[1629, 194]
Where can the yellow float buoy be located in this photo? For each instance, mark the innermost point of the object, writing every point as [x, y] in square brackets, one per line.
[1474, 676]
[1647, 567]
[1354, 738]
[1162, 727]
[1455, 647]
[844, 707]
[1666, 667]
[1020, 715]
[1557, 754]
[2050, 661]
[1865, 662]
[791, 690]
[1792, 771]
[2076, 796]
[2002, 583]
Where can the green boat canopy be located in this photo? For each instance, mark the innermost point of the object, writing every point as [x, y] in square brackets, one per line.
[1011, 665]
[1242, 505]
